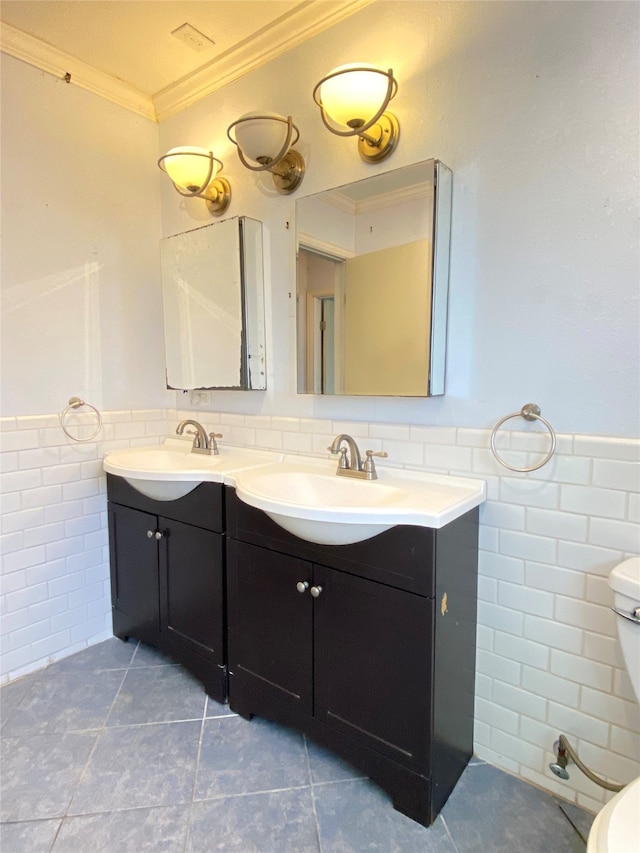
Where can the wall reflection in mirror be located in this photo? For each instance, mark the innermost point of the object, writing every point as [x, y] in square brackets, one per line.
[372, 284]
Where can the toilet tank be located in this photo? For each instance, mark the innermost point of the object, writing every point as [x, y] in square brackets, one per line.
[624, 580]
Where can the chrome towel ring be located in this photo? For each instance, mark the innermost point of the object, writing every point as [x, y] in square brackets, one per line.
[75, 403]
[530, 412]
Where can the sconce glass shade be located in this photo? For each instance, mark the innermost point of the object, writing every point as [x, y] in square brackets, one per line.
[263, 142]
[263, 137]
[352, 94]
[193, 172]
[190, 168]
[353, 99]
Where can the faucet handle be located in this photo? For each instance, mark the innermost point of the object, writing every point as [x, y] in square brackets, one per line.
[369, 466]
[196, 439]
[342, 462]
[213, 444]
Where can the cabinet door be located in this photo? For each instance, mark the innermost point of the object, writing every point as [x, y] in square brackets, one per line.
[372, 670]
[191, 588]
[270, 631]
[134, 574]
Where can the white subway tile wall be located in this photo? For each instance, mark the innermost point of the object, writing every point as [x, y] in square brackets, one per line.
[548, 658]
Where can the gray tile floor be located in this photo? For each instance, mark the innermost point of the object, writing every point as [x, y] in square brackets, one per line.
[119, 749]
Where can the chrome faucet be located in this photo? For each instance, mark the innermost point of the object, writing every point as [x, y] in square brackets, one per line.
[354, 466]
[202, 443]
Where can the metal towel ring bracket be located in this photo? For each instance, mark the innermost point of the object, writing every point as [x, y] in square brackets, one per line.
[530, 412]
[75, 403]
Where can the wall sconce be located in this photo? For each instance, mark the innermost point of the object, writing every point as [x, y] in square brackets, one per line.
[355, 98]
[193, 172]
[264, 143]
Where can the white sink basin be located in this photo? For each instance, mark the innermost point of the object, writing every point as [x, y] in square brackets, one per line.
[311, 501]
[304, 496]
[170, 471]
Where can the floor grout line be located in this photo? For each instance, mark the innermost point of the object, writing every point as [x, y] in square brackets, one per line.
[328, 782]
[568, 819]
[313, 795]
[196, 770]
[119, 690]
[262, 791]
[448, 831]
[99, 732]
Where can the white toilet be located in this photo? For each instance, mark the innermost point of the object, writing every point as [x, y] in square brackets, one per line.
[616, 828]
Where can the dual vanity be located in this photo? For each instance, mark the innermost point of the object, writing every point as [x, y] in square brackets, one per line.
[340, 602]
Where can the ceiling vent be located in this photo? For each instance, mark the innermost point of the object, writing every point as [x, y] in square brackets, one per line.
[193, 38]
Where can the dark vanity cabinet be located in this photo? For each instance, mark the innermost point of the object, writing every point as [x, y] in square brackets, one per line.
[368, 648]
[167, 576]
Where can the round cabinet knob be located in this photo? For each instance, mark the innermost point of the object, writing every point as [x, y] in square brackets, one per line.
[149, 534]
[158, 535]
[302, 586]
[315, 591]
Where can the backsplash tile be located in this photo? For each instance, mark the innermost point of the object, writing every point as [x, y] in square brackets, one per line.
[548, 658]
[593, 501]
[542, 549]
[610, 534]
[607, 448]
[625, 742]
[579, 669]
[559, 636]
[554, 579]
[615, 474]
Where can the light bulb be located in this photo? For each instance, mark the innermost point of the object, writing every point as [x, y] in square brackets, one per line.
[353, 98]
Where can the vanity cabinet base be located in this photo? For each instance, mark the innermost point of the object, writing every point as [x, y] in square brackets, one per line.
[374, 659]
[410, 792]
[167, 577]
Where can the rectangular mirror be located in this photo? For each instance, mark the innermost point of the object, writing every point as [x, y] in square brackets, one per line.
[372, 284]
[213, 301]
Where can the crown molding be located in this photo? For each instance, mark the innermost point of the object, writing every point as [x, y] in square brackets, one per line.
[378, 202]
[22, 46]
[384, 200]
[321, 247]
[305, 21]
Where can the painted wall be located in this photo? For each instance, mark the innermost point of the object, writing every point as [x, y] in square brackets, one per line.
[81, 313]
[535, 108]
[386, 340]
